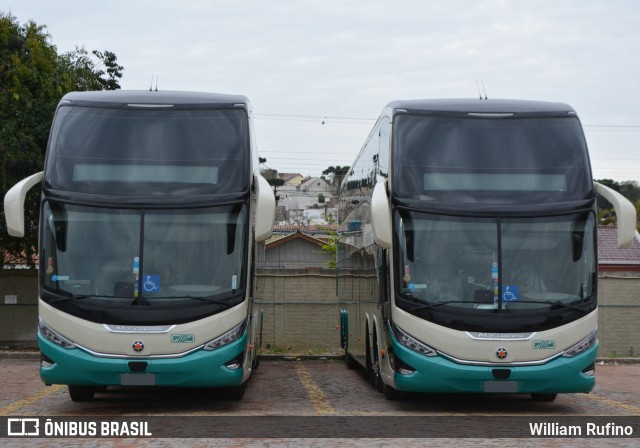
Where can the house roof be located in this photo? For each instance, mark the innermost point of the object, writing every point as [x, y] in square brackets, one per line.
[310, 180]
[610, 254]
[288, 176]
[292, 227]
[293, 236]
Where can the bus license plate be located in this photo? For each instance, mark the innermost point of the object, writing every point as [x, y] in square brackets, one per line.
[138, 379]
[501, 386]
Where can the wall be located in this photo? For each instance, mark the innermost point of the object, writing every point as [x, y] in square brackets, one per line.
[301, 310]
[619, 313]
[18, 322]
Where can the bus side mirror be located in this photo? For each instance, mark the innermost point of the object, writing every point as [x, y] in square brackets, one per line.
[625, 214]
[14, 204]
[265, 208]
[381, 215]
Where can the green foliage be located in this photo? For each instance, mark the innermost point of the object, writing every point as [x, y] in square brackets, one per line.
[33, 79]
[338, 174]
[331, 246]
[271, 176]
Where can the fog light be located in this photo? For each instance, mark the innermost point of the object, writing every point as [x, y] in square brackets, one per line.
[590, 371]
[46, 362]
[403, 368]
[235, 363]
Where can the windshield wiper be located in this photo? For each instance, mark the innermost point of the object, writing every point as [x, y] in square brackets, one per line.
[557, 303]
[80, 297]
[208, 299]
[224, 303]
[144, 300]
[427, 306]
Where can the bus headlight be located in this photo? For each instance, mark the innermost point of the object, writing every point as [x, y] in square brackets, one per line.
[411, 342]
[53, 336]
[227, 338]
[582, 346]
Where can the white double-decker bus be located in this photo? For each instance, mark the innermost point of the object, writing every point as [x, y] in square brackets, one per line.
[151, 206]
[467, 249]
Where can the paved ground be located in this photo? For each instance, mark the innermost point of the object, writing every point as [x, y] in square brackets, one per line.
[333, 401]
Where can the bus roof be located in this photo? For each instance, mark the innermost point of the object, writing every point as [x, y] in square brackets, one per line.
[115, 98]
[491, 106]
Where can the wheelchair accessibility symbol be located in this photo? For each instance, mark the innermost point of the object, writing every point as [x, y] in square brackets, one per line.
[510, 293]
[151, 283]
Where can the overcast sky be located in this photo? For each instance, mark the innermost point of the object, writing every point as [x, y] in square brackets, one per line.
[301, 61]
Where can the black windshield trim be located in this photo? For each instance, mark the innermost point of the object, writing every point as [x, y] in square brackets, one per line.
[494, 211]
[142, 314]
[151, 202]
[461, 319]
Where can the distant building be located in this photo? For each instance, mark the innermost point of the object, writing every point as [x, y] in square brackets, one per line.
[291, 179]
[316, 185]
[296, 250]
[311, 202]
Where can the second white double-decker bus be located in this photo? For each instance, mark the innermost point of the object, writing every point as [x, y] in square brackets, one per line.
[467, 249]
[151, 206]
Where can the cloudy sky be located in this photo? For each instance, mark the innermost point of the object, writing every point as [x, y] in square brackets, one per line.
[318, 73]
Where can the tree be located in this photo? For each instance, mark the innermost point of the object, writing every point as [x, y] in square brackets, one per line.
[33, 79]
[338, 173]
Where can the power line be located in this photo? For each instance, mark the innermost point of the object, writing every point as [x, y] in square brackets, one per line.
[313, 117]
[365, 120]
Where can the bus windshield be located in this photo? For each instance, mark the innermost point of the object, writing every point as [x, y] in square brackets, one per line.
[490, 160]
[170, 258]
[521, 265]
[144, 152]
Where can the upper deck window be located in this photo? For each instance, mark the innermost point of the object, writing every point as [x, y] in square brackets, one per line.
[490, 160]
[150, 151]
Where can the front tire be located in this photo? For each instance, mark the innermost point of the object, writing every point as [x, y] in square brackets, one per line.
[390, 393]
[351, 362]
[235, 393]
[81, 393]
[544, 397]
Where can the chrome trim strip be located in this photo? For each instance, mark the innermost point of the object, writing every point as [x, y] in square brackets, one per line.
[501, 364]
[490, 115]
[138, 358]
[486, 336]
[139, 329]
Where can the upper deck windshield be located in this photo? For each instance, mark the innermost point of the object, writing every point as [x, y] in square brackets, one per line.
[132, 266]
[148, 151]
[490, 160]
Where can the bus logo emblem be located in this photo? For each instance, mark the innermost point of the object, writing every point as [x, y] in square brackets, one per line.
[544, 344]
[501, 353]
[183, 338]
[138, 346]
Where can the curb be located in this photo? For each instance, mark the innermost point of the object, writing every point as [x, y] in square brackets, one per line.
[294, 357]
[8, 354]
